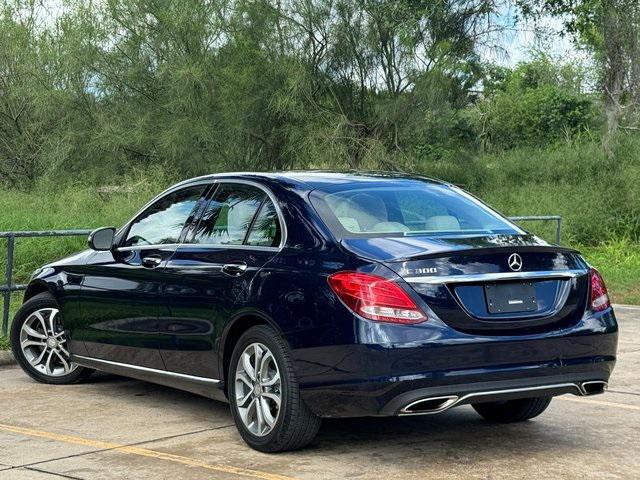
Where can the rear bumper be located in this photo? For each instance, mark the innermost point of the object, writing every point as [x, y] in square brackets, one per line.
[382, 379]
[436, 400]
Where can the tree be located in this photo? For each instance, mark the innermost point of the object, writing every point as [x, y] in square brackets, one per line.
[611, 29]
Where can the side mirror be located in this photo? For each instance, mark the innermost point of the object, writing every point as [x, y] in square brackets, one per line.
[101, 239]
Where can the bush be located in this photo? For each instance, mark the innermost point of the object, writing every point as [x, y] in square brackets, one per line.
[538, 102]
[533, 117]
[599, 201]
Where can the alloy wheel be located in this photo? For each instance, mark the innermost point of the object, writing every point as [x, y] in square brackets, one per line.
[43, 343]
[258, 389]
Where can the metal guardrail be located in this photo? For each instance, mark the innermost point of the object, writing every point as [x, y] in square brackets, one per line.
[9, 286]
[554, 218]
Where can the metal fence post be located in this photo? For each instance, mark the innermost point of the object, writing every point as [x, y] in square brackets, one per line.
[7, 293]
[10, 287]
[547, 218]
[558, 230]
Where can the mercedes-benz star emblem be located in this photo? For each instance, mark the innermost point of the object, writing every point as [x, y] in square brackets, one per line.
[515, 262]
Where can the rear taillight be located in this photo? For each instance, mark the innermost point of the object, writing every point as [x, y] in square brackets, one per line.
[375, 298]
[599, 295]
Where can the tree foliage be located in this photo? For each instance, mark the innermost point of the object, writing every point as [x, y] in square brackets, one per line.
[536, 103]
[94, 89]
[610, 29]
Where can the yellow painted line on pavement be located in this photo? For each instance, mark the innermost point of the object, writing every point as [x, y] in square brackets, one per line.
[143, 452]
[600, 402]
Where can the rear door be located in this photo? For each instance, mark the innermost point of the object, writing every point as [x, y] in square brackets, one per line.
[120, 291]
[213, 274]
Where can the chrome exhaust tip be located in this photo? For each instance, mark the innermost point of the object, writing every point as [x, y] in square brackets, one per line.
[428, 405]
[593, 387]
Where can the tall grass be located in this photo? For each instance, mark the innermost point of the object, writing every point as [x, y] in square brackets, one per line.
[598, 200]
[67, 205]
[619, 263]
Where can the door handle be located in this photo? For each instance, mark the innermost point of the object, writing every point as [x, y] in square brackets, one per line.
[74, 279]
[151, 261]
[234, 269]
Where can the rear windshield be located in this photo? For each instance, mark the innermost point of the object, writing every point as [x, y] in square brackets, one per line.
[418, 209]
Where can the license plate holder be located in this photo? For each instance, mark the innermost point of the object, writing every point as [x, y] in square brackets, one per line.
[510, 297]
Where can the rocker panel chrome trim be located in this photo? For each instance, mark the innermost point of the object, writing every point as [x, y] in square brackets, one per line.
[212, 381]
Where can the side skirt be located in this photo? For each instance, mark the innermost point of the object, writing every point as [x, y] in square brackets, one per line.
[207, 387]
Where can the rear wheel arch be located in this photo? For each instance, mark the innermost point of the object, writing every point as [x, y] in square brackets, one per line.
[234, 330]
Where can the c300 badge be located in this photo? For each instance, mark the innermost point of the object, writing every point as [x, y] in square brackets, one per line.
[421, 271]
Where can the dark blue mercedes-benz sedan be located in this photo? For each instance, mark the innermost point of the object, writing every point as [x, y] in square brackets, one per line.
[301, 295]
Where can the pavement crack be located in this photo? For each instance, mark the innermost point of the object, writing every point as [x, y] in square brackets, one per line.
[623, 393]
[53, 474]
[169, 437]
[134, 444]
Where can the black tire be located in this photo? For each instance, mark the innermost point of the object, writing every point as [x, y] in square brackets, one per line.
[41, 301]
[512, 410]
[296, 426]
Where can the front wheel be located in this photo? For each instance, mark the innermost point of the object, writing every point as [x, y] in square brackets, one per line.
[512, 410]
[39, 343]
[264, 395]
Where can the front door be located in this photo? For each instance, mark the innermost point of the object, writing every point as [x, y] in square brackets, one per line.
[213, 273]
[120, 290]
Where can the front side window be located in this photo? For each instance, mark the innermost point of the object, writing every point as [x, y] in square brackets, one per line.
[162, 222]
[229, 214]
[419, 208]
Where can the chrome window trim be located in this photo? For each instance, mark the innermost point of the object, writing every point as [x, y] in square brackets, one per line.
[221, 246]
[490, 277]
[158, 246]
[182, 376]
[210, 181]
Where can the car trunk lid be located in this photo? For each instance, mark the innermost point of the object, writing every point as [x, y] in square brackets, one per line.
[498, 284]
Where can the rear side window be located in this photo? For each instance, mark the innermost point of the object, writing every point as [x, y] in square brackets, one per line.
[230, 214]
[162, 222]
[420, 208]
[265, 231]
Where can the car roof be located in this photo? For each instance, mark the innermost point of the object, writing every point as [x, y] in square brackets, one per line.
[317, 179]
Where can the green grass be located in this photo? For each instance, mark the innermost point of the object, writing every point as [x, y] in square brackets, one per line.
[599, 201]
[64, 207]
[60, 207]
[619, 264]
